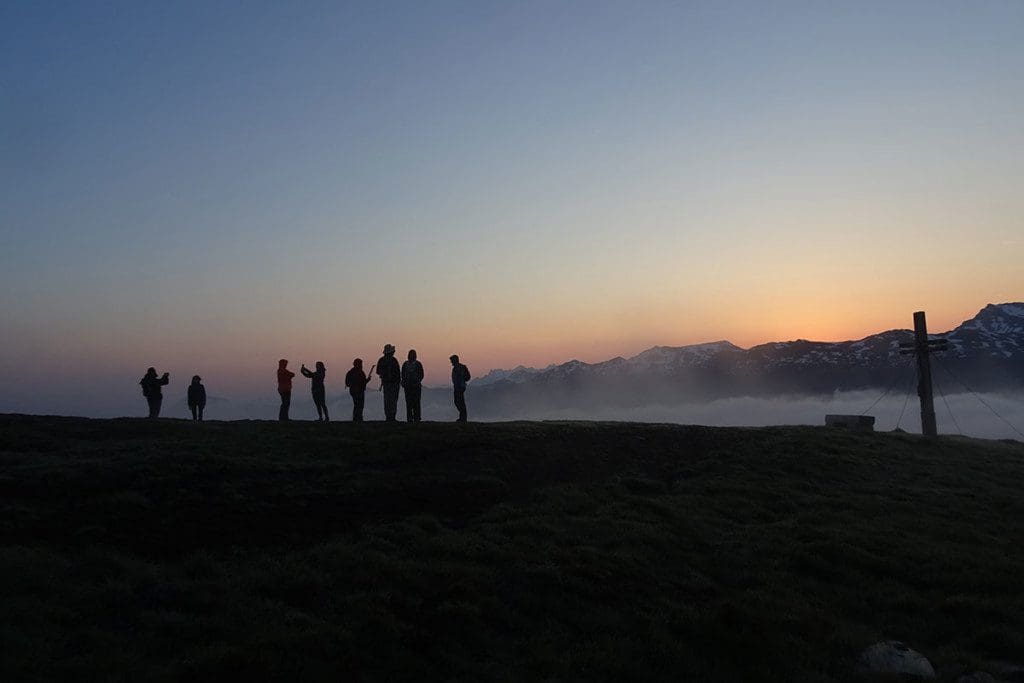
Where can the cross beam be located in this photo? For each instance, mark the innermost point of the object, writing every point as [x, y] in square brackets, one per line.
[922, 347]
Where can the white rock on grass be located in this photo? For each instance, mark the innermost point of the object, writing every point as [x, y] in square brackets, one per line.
[893, 657]
[977, 677]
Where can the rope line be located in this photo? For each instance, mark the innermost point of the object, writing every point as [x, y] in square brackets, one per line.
[949, 410]
[884, 393]
[892, 385]
[910, 388]
[983, 401]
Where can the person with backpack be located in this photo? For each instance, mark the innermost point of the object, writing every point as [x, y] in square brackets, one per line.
[390, 380]
[356, 381]
[412, 383]
[319, 393]
[151, 390]
[460, 376]
[284, 388]
[196, 398]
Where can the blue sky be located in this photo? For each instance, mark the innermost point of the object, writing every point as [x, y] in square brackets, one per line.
[525, 182]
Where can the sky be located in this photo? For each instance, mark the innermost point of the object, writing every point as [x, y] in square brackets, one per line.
[207, 187]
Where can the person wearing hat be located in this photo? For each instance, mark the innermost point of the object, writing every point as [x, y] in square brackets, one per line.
[390, 381]
[460, 375]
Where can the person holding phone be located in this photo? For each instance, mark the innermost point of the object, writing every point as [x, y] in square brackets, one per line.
[319, 393]
[151, 390]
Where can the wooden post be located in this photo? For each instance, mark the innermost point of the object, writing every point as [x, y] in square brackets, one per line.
[924, 375]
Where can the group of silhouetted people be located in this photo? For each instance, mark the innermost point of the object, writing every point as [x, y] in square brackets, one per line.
[151, 384]
[284, 388]
[408, 377]
[393, 380]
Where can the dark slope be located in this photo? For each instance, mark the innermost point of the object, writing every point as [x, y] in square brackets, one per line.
[559, 551]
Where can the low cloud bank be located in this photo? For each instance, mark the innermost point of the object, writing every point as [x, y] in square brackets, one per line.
[969, 415]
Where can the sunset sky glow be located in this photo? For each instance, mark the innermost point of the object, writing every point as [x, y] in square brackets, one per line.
[208, 187]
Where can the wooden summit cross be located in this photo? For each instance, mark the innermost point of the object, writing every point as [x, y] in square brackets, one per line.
[922, 347]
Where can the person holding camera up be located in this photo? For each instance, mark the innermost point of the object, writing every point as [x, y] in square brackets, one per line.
[319, 393]
[151, 390]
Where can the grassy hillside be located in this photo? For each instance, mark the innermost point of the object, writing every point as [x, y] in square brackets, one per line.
[516, 551]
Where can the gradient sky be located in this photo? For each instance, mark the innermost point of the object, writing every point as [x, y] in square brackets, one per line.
[208, 187]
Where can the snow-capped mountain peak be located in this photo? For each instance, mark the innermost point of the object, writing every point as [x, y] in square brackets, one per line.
[997, 319]
[1015, 309]
[997, 331]
[671, 356]
[516, 375]
[987, 350]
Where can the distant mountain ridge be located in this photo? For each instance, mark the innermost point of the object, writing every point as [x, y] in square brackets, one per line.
[985, 352]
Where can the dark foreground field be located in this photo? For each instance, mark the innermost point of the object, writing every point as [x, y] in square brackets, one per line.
[517, 551]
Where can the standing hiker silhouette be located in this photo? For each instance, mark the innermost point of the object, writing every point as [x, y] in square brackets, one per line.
[319, 393]
[196, 398]
[151, 390]
[284, 388]
[460, 376]
[412, 383]
[390, 381]
[356, 381]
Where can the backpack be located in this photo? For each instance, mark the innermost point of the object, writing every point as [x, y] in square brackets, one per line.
[412, 372]
[389, 371]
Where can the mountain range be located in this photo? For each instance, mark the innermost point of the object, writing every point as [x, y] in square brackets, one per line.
[985, 353]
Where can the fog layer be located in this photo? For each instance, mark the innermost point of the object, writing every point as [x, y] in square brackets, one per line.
[956, 413]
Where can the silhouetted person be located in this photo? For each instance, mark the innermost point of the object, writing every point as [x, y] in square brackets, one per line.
[412, 382]
[284, 387]
[151, 390]
[319, 393]
[460, 375]
[196, 398]
[356, 381]
[391, 380]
